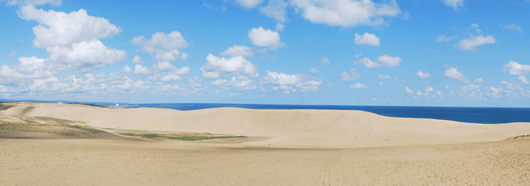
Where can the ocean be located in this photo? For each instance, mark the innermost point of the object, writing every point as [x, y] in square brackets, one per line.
[484, 115]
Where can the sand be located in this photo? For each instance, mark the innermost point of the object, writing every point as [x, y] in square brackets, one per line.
[307, 147]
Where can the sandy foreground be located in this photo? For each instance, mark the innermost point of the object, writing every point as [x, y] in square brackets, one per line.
[295, 147]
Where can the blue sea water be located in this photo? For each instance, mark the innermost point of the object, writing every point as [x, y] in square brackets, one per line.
[484, 115]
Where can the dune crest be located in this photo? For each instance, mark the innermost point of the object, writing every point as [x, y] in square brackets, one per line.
[286, 128]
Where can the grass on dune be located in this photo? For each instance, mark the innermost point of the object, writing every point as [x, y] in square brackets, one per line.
[48, 125]
[181, 136]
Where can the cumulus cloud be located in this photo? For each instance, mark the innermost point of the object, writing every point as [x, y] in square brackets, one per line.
[367, 39]
[453, 73]
[479, 80]
[513, 27]
[523, 79]
[141, 70]
[216, 67]
[350, 76]
[389, 61]
[241, 82]
[285, 82]
[443, 38]
[386, 61]
[367, 62]
[516, 69]
[407, 89]
[346, 13]
[265, 38]
[126, 69]
[422, 75]
[429, 89]
[11, 54]
[72, 39]
[276, 9]
[28, 68]
[248, 4]
[470, 87]
[358, 85]
[137, 60]
[238, 50]
[324, 61]
[381, 83]
[162, 46]
[84, 56]
[419, 93]
[454, 3]
[313, 70]
[62, 29]
[384, 77]
[168, 72]
[474, 41]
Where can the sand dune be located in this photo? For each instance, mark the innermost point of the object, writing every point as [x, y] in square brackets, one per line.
[307, 147]
[286, 128]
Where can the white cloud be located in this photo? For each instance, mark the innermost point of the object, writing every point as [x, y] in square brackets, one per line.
[238, 50]
[474, 41]
[216, 67]
[139, 69]
[513, 27]
[162, 46]
[443, 38]
[275, 9]
[429, 89]
[34, 2]
[384, 77]
[389, 61]
[313, 70]
[516, 69]
[137, 60]
[422, 75]
[346, 13]
[324, 61]
[168, 72]
[248, 4]
[350, 76]
[279, 27]
[419, 93]
[470, 87]
[381, 83]
[358, 85]
[454, 3]
[265, 38]
[242, 82]
[454, 74]
[407, 89]
[286, 81]
[28, 68]
[367, 39]
[84, 56]
[126, 69]
[62, 29]
[479, 80]
[11, 54]
[367, 63]
[523, 79]
[386, 61]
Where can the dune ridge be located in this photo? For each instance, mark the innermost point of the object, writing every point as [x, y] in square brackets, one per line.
[286, 128]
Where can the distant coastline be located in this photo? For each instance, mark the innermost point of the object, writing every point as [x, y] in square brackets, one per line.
[483, 115]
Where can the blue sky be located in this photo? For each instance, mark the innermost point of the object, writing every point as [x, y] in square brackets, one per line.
[336, 52]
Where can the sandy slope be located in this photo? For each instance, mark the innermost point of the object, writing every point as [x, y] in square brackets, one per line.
[417, 160]
[287, 128]
[104, 162]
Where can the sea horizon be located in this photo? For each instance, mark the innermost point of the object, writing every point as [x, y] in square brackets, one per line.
[482, 115]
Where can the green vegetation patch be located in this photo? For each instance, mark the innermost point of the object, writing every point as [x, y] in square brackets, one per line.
[4, 106]
[181, 136]
[522, 136]
[48, 125]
